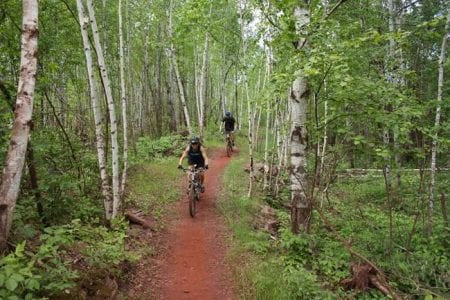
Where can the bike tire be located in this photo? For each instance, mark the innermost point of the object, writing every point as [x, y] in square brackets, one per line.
[192, 201]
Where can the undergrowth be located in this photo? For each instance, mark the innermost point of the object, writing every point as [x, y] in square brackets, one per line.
[312, 266]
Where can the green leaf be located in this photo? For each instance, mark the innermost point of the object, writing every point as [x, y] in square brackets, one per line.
[11, 284]
[2, 280]
[428, 297]
[29, 296]
[17, 277]
[33, 284]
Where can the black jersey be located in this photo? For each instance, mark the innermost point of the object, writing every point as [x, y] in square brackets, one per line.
[196, 157]
[229, 123]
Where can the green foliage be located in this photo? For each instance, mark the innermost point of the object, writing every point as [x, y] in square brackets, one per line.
[280, 269]
[360, 215]
[27, 275]
[48, 270]
[148, 148]
[103, 248]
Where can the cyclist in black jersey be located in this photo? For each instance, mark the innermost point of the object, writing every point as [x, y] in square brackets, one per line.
[196, 154]
[229, 122]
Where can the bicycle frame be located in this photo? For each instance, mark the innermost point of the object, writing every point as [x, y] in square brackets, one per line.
[195, 188]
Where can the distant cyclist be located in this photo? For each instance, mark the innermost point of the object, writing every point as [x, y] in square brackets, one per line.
[196, 154]
[229, 125]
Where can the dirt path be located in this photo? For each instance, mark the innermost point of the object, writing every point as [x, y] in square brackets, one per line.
[191, 265]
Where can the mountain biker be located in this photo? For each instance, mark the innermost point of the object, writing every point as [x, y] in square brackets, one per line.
[196, 154]
[229, 125]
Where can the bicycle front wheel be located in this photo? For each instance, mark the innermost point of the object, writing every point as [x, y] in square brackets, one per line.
[192, 200]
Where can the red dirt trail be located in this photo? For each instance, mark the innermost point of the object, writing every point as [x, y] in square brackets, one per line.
[192, 264]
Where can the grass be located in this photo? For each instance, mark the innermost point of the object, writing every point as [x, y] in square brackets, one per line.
[153, 185]
[415, 264]
[312, 266]
[238, 210]
[261, 268]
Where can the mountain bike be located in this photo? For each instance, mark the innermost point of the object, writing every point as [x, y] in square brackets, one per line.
[195, 188]
[229, 145]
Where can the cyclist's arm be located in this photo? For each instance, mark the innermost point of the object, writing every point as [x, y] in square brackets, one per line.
[204, 155]
[185, 153]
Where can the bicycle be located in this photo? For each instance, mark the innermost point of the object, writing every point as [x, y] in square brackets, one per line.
[229, 145]
[195, 188]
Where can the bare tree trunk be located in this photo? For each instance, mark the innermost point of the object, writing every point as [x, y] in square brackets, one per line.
[202, 90]
[123, 95]
[12, 172]
[250, 137]
[434, 146]
[197, 85]
[325, 137]
[266, 147]
[34, 183]
[177, 73]
[106, 189]
[300, 205]
[111, 110]
[173, 108]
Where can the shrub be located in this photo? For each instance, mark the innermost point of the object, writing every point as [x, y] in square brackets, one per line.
[148, 149]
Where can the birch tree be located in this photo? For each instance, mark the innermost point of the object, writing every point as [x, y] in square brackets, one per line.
[434, 145]
[98, 122]
[12, 173]
[177, 71]
[298, 98]
[203, 79]
[111, 110]
[123, 96]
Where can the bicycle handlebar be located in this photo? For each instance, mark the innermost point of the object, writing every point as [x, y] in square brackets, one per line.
[192, 170]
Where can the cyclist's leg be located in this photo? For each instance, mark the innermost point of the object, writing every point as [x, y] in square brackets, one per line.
[190, 167]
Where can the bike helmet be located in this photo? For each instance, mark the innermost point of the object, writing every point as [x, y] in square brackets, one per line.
[194, 140]
[228, 114]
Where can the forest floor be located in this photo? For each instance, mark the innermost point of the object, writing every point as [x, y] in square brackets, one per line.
[189, 257]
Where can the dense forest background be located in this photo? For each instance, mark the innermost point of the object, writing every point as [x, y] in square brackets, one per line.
[342, 120]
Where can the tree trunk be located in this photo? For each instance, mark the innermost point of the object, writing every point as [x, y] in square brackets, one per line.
[434, 146]
[325, 137]
[12, 172]
[98, 122]
[202, 90]
[173, 108]
[177, 73]
[111, 110]
[300, 205]
[123, 96]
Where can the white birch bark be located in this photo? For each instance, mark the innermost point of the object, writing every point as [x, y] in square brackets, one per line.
[196, 84]
[434, 146]
[177, 72]
[123, 96]
[325, 135]
[298, 98]
[96, 108]
[202, 90]
[12, 172]
[111, 110]
[266, 147]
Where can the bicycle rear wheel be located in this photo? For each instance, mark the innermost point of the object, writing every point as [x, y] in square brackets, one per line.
[229, 148]
[192, 201]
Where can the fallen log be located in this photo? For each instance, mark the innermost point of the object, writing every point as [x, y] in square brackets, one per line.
[138, 220]
[379, 280]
